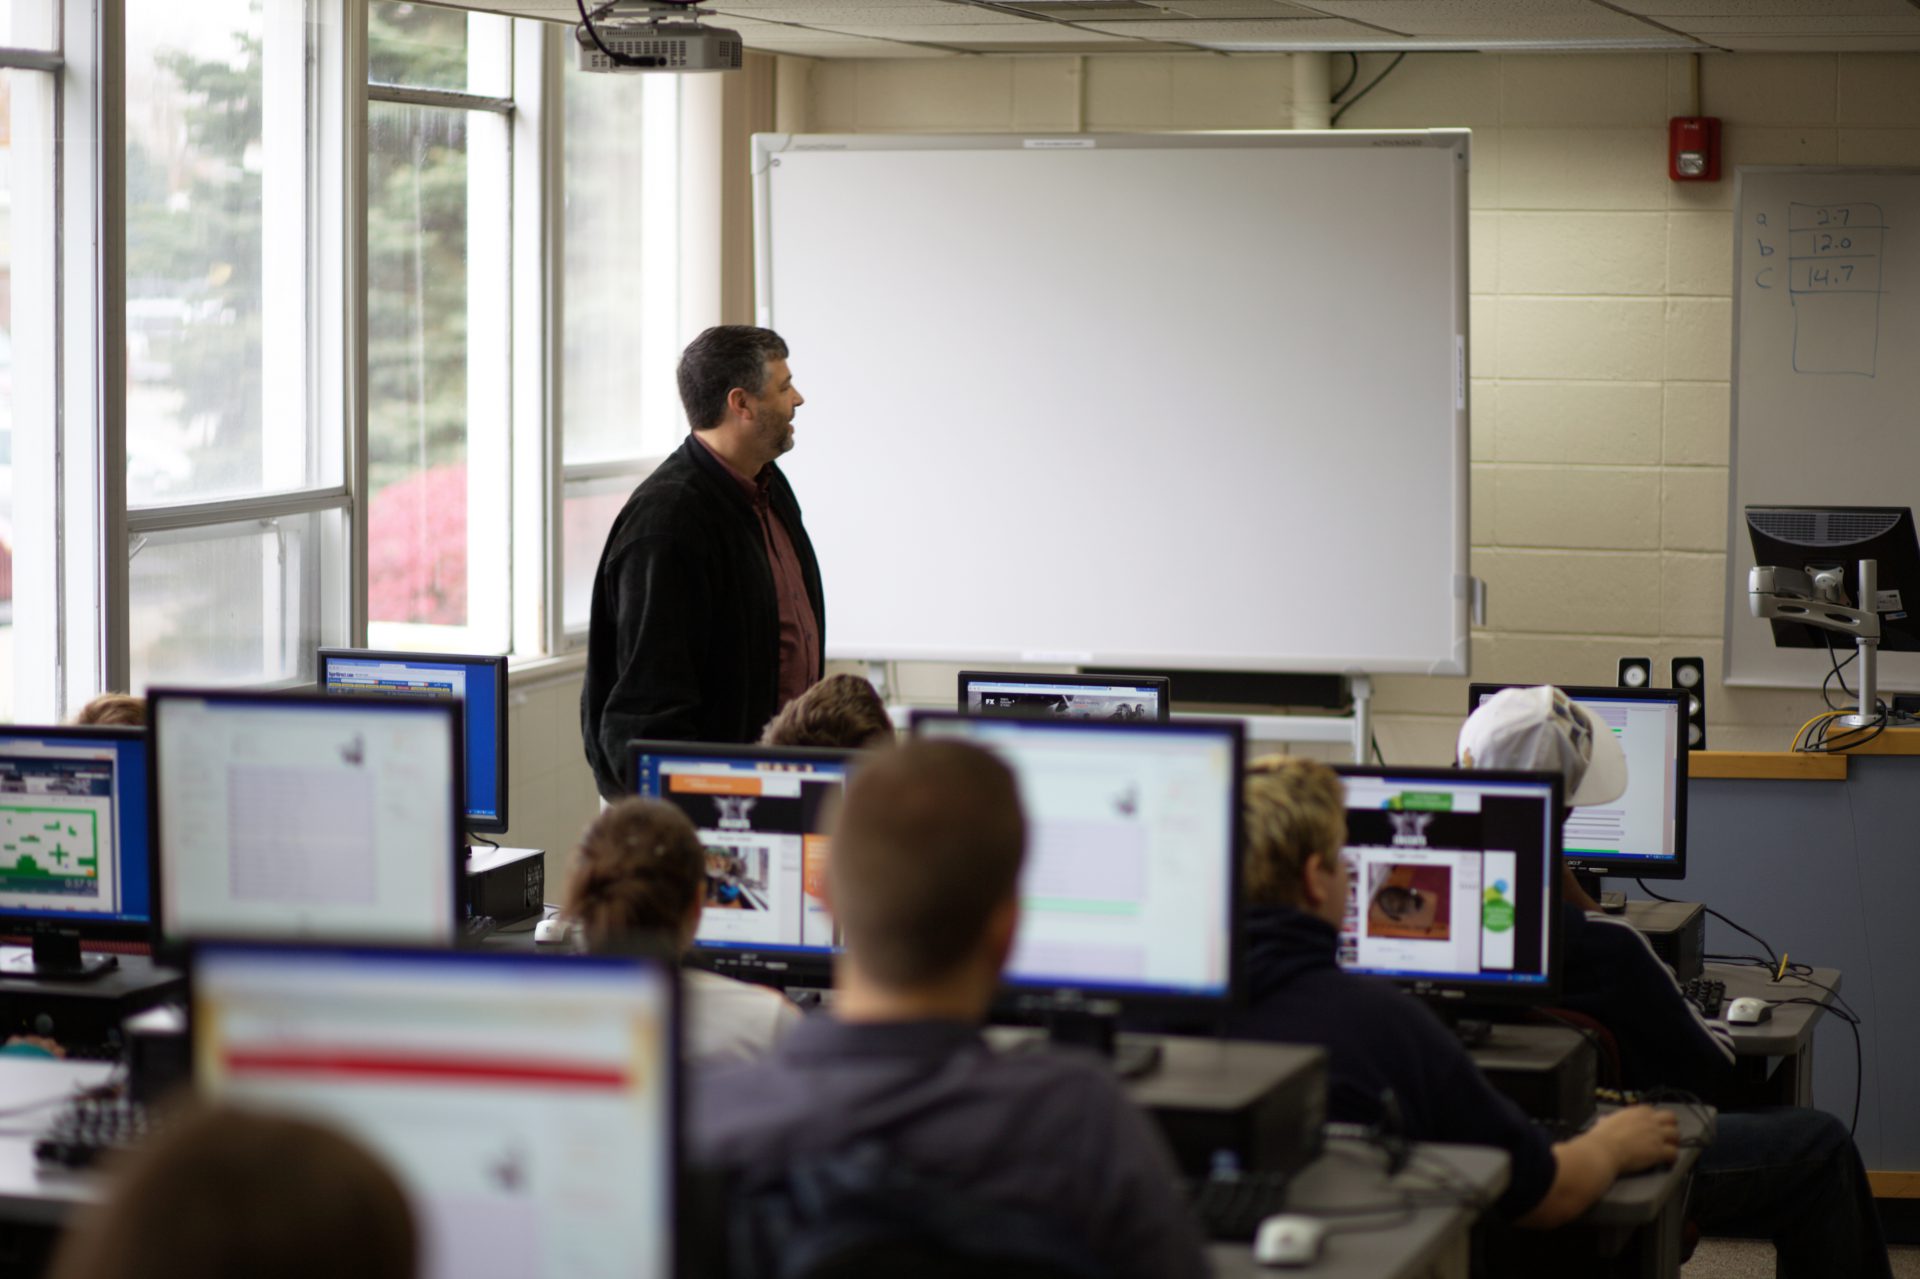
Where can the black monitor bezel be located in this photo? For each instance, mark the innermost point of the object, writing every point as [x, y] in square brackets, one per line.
[674, 1031]
[28, 926]
[804, 968]
[1896, 553]
[168, 945]
[1162, 686]
[1634, 867]
[1460, 990]
[1027, 1000]
[496, 824]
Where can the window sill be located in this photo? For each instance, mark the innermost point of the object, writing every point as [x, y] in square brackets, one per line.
[531, 672]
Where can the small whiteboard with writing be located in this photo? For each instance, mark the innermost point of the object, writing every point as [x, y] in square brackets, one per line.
[1826, 375]
[1192, 401]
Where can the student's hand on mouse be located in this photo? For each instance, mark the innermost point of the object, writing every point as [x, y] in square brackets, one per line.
[1642, 1137]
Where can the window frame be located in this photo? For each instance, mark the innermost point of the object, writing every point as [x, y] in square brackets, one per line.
[330, 339]
[84, 641]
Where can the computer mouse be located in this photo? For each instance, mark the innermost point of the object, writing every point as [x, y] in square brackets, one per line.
[1289, 1240]
[1748, 1011]
[552, 932]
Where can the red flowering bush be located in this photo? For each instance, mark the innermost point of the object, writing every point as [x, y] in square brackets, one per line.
[417, 548]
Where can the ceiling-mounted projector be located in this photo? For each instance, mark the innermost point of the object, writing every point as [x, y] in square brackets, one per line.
[634, 36]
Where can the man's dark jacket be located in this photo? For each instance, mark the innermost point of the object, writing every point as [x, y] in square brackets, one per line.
[685, 638]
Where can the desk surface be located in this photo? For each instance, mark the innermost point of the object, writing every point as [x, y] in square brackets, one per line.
[1639, 1199]
[1791, 1026]
[40, 1086]
[1352, 1173]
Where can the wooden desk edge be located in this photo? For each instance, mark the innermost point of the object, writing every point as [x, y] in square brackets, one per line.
[1785, 766]
[1895, 1185]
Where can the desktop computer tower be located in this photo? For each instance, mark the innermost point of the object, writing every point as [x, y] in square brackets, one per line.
[508, 885]
[1677, 931]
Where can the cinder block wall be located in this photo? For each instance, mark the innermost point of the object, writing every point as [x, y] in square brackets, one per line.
[1601, 311]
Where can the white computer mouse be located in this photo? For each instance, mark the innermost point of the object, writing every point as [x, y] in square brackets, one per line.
[1748, 1011]
[553, 932]
[1289, 1240]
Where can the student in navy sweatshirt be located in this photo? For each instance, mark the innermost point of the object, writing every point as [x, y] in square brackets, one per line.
[1788, 1174]
[1378, 1038]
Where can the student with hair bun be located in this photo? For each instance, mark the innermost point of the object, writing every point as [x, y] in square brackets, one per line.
[640, 872]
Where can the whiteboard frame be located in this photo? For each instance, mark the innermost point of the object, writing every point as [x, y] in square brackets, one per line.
[767, 147]
[1735, 611]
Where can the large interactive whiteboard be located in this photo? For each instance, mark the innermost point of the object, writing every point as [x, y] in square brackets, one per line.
[1826, 389]
[1193, 401]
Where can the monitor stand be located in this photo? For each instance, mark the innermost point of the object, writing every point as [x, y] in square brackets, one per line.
[1609, 903]
[1472, 1032]
[56, 957]
[1097, 1031]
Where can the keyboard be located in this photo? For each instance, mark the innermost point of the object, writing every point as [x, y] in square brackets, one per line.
[1231, 1207]
[1708, 994]
[90, 1128]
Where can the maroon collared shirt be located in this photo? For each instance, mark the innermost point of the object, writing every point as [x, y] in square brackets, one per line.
[799, 627]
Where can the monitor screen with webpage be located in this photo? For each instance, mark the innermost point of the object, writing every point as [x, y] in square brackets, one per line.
[1644, 832]
[761, 813]
[1131, 883]
[1103, 697]
[74, 852]
[526, 1103]
[1454, 880]
[300, 815]
[478, 683]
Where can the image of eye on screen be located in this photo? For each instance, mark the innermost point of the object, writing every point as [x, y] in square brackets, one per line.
[1453, 882]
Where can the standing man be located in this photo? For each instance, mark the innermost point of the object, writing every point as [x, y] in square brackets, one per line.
[707, 611]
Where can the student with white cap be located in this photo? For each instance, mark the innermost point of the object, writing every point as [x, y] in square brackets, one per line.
[1787, 1174]
[1611, 974]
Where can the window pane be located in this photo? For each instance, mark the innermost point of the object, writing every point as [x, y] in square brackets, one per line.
[28, 24]
[229, 604]
[217, 252]
[423, 46]
[622, 287]
[27, 472]
[437, 316]
[7, 534]
[586, 513]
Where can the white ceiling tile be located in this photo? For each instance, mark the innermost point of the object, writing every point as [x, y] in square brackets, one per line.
[1743, 43]
[1757, 8]
[1249, 29]
[1513, 19]
[1024, 32]
[826, 15]
[1862, 25]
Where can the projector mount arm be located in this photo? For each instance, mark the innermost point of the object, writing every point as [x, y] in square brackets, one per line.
[1818, 599]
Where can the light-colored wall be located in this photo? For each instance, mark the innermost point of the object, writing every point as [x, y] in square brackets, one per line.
[1600, 310]
[550, 791]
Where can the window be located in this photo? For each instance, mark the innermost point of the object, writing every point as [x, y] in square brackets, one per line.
[235, 437]
[29, 316]
[439, 328]
[622, 315]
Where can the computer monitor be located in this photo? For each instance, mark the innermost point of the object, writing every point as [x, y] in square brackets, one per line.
[75, 860]
[1830, 542]
[302, 815]
[1455, 886]
[1132, 882]
[1643, 834]
[479, 683]
[1100, 697]
[762, 813]
[526, 1103]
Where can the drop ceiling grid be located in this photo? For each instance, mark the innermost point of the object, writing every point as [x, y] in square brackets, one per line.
[887, 27]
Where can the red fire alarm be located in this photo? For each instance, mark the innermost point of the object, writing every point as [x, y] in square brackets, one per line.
[1693, 148]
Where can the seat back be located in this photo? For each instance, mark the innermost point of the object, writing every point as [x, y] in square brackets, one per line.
[856, 1212]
